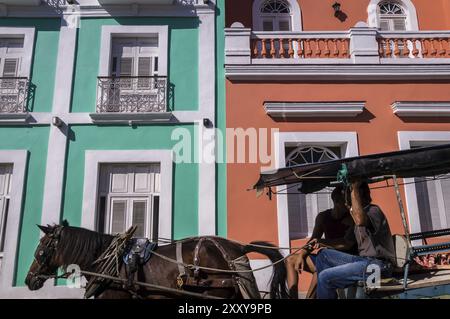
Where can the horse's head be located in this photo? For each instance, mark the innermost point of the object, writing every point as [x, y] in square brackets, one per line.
[45, 263]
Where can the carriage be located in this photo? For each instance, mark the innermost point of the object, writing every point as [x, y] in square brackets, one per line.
[213, 267]
[409, 279]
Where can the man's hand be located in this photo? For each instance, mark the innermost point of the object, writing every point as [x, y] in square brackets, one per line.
[314, 244]
[300, 261]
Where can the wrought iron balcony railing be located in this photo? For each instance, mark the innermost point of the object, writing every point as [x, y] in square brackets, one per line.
[13, 94]
[132, 94]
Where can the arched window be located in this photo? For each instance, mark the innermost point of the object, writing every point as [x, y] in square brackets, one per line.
[276, 15]
[392, 16]
[303, 208]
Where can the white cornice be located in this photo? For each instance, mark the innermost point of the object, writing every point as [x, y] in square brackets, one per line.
[421, 109]
[354, 72]
[313, 109]
[109, 11]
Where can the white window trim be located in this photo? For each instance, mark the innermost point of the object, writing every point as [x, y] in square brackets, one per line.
[296, 15]
[405, 139]
[18, 159]
[28, 35]
[92, 180]
[108, 32]
[373, 18]
[281, 140]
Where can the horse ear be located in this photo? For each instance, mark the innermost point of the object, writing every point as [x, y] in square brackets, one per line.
[45, 229]
[65, 223]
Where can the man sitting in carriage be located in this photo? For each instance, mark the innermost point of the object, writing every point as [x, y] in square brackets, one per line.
[337, 269]
[336, 226]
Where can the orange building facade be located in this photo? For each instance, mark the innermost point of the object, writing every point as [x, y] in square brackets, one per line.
[331, 79]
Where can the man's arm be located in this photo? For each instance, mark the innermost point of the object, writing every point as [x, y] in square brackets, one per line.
[357, 210]
[318, 227]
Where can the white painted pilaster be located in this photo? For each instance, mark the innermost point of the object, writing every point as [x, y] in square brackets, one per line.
[57, 144]
[207, 99]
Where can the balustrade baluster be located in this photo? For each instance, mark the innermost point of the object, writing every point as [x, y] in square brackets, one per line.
[263, 48]
[318, 51]
[396, 48]
[327, 48]
[255, 48]
[415, 51]
[308, 50]
[406, 50]
[291, 49]
[388, 48]
[273, 52]
[441, 45]
[345, 45]
[281, 51]
[299, 49]
[336, 48]
[433, 50]
[424, 48]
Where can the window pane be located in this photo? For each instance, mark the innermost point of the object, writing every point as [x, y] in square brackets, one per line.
[445, 182]
[285, 26]
[139, 214]
[3, 221]
[126, 66]
[267, 25]
[155, 221]
[399, 24]
[101, 214]
[384, 25]
[118, 217]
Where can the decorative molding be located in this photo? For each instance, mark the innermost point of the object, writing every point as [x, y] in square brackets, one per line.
[296, 15]
[93, 159]
[411, 72]
[130, 118]
[13, 118]
[409, 139]
[313, 109]
[108, 32]
[373, 19]
[421, 109]
[348, 141]
[28, 35]
[19, 160]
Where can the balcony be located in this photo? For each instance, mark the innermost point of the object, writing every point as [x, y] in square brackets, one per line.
[360, 53]
[13, 99]
[131, 98]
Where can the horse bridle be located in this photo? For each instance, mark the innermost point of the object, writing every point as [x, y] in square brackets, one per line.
[43, 255]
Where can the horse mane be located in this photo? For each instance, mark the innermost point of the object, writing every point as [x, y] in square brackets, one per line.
[81, 246]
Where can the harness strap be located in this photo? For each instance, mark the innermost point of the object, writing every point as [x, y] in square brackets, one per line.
[181, 270]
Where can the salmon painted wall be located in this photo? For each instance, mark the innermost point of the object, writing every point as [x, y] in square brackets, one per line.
[251, 218]
[319, 15]
[377, 131]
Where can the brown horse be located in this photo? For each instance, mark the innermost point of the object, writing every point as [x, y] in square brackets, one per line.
[65, 245]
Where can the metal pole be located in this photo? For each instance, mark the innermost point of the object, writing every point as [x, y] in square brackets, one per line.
[406, 227]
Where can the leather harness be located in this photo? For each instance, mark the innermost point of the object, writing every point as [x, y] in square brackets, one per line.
[184, 279]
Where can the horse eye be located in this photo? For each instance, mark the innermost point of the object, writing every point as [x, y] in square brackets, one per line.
[41, 253]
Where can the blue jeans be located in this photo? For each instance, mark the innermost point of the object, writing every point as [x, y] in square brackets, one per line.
[339, 270]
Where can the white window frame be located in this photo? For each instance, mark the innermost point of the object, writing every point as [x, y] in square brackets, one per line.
[129, 198]
[258, 18]
[406, 140]
[92, 179]
[373, 18]
[28, 35]
[348, 141]
[18, 159]
[110, 32]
